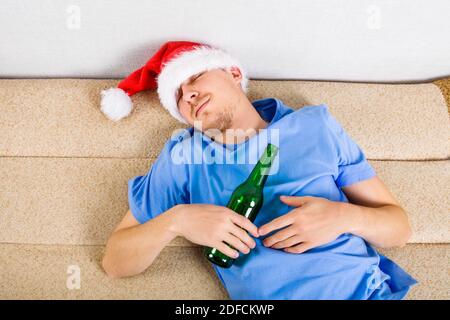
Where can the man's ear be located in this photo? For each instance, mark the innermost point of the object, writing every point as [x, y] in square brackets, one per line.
[236, 73]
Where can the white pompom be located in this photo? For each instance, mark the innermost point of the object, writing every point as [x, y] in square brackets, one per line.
[115, 104]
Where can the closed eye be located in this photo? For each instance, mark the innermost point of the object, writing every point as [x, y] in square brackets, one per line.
[192, 79]
[198, 76]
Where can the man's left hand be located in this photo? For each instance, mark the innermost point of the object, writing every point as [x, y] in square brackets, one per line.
[315, 221]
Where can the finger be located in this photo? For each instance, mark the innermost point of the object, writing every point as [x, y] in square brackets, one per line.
[289, 242]
[300, 248]
[244, 223]
[295, 201]
[227, 250]
[277, 223]
[243, 236]
[236, 243]
[279, 236]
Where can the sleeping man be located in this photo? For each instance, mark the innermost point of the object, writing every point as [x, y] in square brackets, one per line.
[324, 207]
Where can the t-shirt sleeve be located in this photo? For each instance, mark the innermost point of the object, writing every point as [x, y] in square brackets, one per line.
[164, 186]
[352, 163]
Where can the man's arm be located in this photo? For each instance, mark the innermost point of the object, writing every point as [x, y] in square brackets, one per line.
[375, 215]
[132, 247]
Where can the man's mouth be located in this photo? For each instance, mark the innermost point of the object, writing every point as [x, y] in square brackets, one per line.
[199, 109]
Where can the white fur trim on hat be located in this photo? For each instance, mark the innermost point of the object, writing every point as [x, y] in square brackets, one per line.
[115, 103]
[187, 64]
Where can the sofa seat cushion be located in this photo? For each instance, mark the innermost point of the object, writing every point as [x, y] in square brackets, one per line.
[43, 272]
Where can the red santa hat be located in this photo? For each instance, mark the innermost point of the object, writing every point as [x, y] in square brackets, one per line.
[171, 65]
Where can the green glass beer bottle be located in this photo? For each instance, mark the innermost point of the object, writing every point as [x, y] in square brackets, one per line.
[247, 200]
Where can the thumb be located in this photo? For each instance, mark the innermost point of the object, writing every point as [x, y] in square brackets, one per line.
[295, 201]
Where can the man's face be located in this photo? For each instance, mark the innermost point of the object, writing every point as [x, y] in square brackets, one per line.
[210, 97]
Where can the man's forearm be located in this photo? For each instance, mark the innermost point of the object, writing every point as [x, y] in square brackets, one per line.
[131, 250]
[385, 226]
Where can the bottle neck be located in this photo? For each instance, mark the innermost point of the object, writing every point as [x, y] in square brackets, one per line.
[257, 177]
[260, 172]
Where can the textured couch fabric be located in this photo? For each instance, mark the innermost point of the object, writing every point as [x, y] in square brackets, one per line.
[64, 168]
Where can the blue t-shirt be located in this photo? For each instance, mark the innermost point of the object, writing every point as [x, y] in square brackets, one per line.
[316, 158]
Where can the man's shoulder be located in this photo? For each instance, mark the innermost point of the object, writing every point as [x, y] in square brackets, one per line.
[308, 113]
[313, 110]
[179, 147]
[179, 136]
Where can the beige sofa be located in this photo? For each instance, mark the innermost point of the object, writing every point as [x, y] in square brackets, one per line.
[64, 169]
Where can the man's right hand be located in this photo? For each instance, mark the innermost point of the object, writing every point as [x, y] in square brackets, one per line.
[212, 225]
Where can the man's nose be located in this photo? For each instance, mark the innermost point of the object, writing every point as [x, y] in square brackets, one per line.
[190, 95]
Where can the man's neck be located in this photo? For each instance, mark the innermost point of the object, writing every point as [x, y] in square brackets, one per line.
[246, 125]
